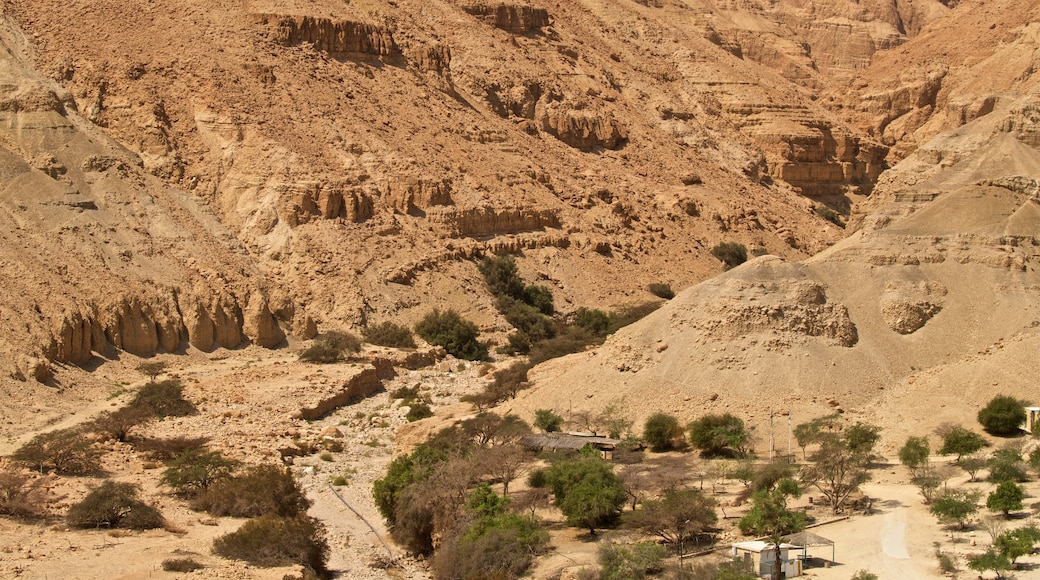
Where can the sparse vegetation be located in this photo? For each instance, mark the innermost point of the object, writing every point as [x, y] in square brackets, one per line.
[732, 254]
[22, 496]
[181, 565]
[114, 505]
[829, 215]
[914, 454]
[151, 369]
[389, 334]
[661, 290]
[630, 561]
[331, 347]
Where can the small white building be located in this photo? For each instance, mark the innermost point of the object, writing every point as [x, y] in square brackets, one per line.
[761, 555]
[1032, 418]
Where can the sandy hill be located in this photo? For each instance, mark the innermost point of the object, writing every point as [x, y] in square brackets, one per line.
[918, 318]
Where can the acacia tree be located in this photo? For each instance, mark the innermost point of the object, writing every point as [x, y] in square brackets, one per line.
[677, 517]
[840, 464]
[769, 516]
[810, 432]
[959, 441]
[914, 454]
[955, 506]
[1013, 544]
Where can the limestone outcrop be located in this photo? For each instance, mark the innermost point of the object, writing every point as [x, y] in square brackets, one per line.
[517, 19]
[337, 38]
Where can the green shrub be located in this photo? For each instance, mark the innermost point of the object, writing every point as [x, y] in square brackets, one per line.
[501, 276]
[587, 491]
[418, 410]
[163, 399]
[1006, 465]
[271, 541]
[713, 434]
[661, 290]
[261, 490]
[1003, 415]
[527, 319]
[389, 334]
[406, 394]
[732, 254]
[181, 565]
[594, 321]
[195, 470]
[662, 432]
[63, 451]
[541, 298]
[114, 505]
[547, 421]
[457, 335]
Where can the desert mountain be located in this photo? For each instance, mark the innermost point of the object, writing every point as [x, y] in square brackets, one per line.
[922, 314]
[183, 174]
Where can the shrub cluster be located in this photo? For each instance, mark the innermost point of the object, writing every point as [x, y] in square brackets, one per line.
[272, 540]
[829, 215]
[527, 307]
[457, 335]
[281, 533]
[260, 490]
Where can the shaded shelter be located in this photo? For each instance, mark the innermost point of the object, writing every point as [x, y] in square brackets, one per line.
[806, 540]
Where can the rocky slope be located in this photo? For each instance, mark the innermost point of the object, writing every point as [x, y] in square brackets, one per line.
[925, 313]
[364, 155]
[189, 175]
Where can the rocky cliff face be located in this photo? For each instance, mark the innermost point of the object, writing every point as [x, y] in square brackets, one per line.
[343, 164]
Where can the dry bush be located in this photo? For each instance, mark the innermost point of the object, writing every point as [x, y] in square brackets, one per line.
[271, 541]
[165, 449]
[261, 490]
[63, 451]
[21, 495]
[181, 565]
[114, 505]
[117, 424]
[163, 399]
